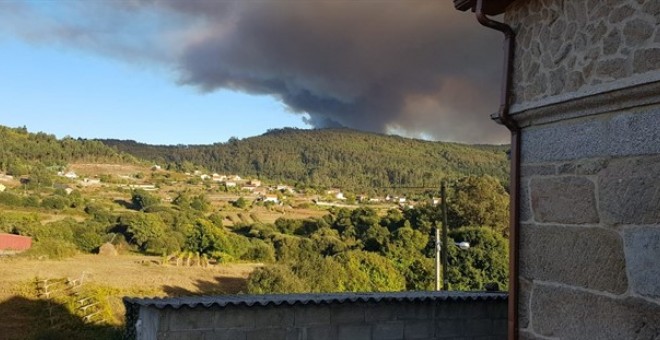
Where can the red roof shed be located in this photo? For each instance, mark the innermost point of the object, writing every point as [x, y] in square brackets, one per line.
[14, 242]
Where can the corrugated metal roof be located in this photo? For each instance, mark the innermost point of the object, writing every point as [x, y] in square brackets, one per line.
[314, 299]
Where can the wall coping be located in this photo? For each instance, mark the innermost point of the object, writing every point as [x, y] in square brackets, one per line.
[312, 299]
[601, 99]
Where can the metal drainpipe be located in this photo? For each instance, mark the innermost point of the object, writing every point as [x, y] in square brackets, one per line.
[504, 118]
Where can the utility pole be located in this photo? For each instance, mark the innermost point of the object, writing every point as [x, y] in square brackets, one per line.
[441, 244]
[443, 194]
[438, 247]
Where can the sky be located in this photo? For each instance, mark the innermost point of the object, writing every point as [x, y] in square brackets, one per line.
[202, 71]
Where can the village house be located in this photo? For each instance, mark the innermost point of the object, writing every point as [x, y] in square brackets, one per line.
[68, 174]
[90, 181]
[249, 188]
[270, 198]
[218, 178]
[284, 188]
[260, 191]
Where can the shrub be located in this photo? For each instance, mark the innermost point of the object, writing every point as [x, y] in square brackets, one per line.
[52, 249]
[241, 203]
[11, 199]
[260, 251]
[274, 279]
[55, 202]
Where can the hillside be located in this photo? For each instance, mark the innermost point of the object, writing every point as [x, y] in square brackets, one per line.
[21, 150]
[331, 158]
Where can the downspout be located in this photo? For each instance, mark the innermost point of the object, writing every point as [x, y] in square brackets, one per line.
[505, 118]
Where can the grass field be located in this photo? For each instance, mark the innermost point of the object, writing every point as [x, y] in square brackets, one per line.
[26, 316]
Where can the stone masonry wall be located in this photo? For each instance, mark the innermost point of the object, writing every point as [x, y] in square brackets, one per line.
[590, 231]
[349, 320]
[587, 96]
[569, 48]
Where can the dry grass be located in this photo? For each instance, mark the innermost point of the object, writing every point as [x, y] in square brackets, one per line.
[26, 316]
[108, 169]
[127, 272]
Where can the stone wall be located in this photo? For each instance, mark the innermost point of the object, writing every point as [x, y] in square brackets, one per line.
[572, 48]
[590, 233]
[587, 94]
[339, 316]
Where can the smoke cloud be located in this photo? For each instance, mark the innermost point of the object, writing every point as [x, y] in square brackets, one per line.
[416, 67]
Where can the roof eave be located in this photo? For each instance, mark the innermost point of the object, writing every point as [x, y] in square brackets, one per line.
[491, 7]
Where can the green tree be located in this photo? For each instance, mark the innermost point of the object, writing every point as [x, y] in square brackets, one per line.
[142, 200]
[479, 201]
[203, 238]
[275, 279]
[370, 272]
[484, 262]
[143, 229]
[241, 203]
[405, 250]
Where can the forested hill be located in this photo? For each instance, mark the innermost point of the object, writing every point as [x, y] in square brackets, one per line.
[21, 151]
[332, 158]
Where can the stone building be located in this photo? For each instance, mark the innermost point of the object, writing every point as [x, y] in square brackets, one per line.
[584, 109]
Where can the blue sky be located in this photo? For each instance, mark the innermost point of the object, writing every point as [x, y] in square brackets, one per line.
[65, 91]
[201, 71]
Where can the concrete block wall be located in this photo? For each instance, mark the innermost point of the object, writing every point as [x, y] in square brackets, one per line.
[353, 320]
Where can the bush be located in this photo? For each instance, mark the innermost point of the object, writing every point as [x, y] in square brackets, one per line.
[260, 251]
[55, 202]
[52, 249]
[241, 203]
[8, 198]
[88, 241]
[274, 279]
[369, 272]
[31, 201]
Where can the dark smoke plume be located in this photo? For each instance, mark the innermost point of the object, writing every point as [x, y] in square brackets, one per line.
[414, 67]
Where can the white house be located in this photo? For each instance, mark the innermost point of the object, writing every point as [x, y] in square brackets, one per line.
[90, 181]
[270, 198]
[2, 188]
[284, 188]
[249, 188]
